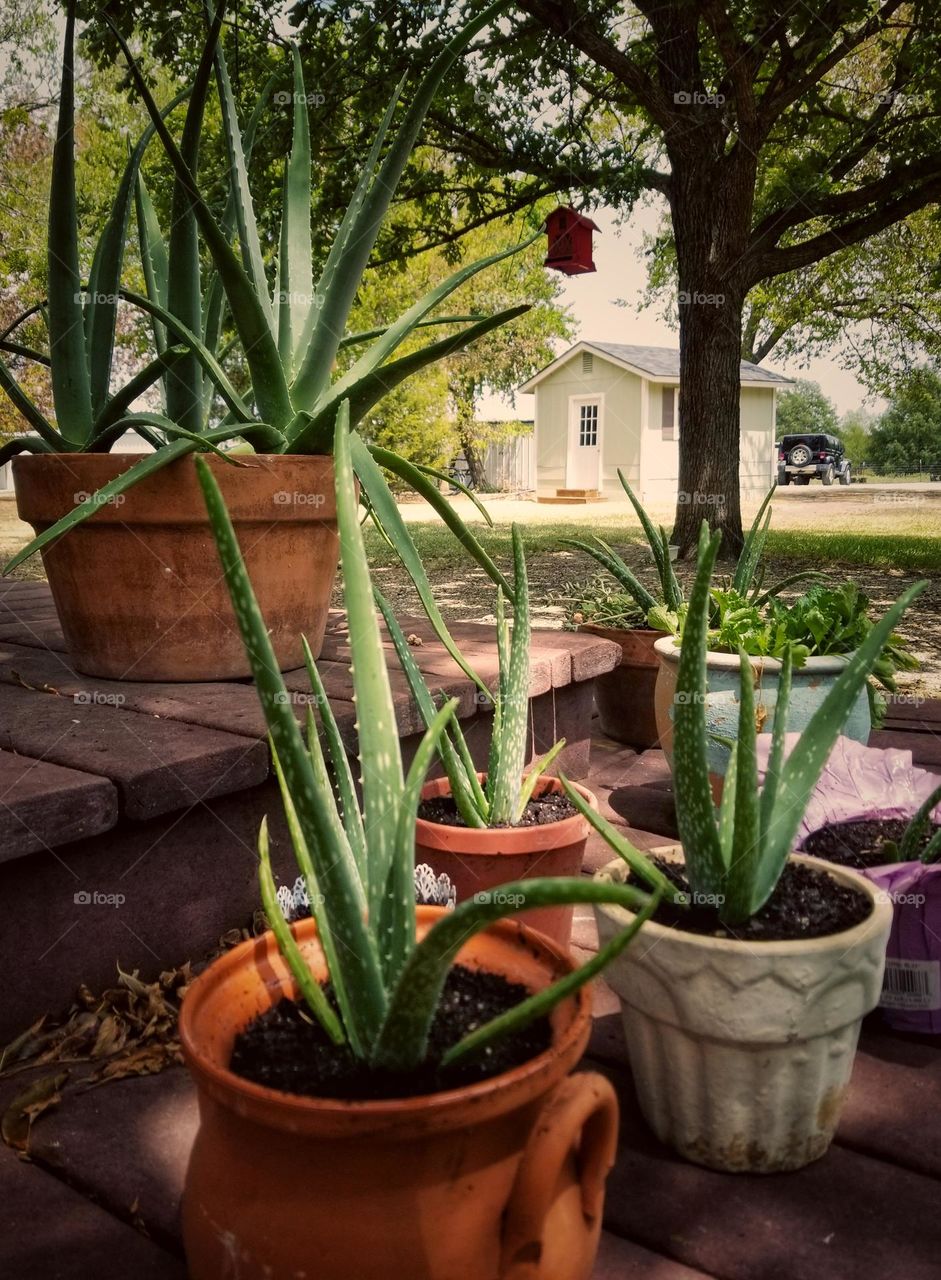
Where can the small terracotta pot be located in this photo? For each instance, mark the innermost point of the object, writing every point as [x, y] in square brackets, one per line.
[476, 860]
[625, 696]
[139, 588]
[502, 1180]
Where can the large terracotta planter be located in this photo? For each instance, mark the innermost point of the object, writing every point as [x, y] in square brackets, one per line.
[625, 696]
[742, 1052]
[810, 685]
[139, 588]
[478, 861]
[503, 1180]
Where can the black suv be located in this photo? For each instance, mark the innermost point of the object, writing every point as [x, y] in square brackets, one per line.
[800, 458]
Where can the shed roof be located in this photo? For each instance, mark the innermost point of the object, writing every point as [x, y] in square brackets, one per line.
[659, 364]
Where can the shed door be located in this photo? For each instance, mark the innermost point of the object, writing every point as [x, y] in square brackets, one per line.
[584, 453]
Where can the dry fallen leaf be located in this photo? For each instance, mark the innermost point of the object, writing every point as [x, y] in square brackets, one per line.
[36, 1098]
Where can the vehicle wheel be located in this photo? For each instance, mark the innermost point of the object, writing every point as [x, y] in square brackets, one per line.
[827, 476]
[785, 479]
[845, 477]
[799, 456]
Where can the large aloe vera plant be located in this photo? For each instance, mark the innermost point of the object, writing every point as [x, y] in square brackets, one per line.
[357, 856]
[735, 853]
[290, 340]
[747, 578]
[504, 793]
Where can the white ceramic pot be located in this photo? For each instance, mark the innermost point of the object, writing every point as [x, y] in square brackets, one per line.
[810, 684]
[742, 1052]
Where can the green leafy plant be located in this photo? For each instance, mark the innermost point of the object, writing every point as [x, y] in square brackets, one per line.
[594, 602]
[288, 341]
[907, 849]
[357, 857]
[661, 613]
[503, 795]
[735, 854]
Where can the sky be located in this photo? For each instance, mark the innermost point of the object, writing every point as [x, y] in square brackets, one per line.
[621, 273]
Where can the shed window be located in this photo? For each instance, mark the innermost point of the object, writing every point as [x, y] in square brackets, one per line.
[588, 426]
[668, 414]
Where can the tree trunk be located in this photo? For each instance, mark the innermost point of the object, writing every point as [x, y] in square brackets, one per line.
[473, 458]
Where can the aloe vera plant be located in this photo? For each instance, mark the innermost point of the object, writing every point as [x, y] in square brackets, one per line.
[909, 848]
[735, 853]
[357, 858]
[289, 341]
[502, 797]
[661, 614]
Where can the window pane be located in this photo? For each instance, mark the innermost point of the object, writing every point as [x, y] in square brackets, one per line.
[588, 425]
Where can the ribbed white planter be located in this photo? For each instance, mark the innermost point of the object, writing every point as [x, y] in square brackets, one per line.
[742, 1052]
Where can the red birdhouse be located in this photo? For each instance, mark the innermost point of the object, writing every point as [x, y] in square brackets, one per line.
[569, 236]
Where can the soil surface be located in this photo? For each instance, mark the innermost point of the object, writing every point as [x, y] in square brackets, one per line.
[286, 1049]
[805, 904]
[541, 810]
[861, 842]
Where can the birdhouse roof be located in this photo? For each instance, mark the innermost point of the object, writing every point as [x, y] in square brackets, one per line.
[581, 218]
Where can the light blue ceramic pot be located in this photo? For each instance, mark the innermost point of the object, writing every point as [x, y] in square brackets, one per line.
[810, 686]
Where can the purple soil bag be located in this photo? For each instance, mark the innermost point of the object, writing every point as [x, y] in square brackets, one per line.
[869, 782]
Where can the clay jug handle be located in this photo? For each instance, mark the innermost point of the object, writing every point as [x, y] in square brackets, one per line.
[553, 1218]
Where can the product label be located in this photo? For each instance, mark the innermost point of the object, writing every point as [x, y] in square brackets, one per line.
[911, 984]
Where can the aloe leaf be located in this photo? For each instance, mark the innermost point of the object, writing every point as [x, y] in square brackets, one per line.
[761, 598]
[608, 558]
[26, 353]
[120, 484]
[705, 866]
[397, 919]
[153, 252]
[462, 790]
[120, 403]
[672, 595]
[238, 171]
[307, 984]
[532, 777]
[799, 773]
[932, 850]
[358, 964]
[543, 1002]
[31, 412]
[778, 730]
[496, 726]
[434, 473]
[379, 756]
[638, 862]
[367, 335]
[71, 389]
[340, 768]
[248, 312]
[727, 806]
[403, 1041]
[24, 444]
[386, 511]
[752, 547]
[650, 533]
[514, 700]
[908, 845]
[746, 852]
[296, 276]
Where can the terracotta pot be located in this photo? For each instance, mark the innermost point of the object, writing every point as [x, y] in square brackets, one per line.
[503, 1180]
[625, 696]
[742, 1052]
[810, 685]
[481, 860]
[138, 587]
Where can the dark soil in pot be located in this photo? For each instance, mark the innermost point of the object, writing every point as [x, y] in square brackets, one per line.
[805, 904]
[286, 1049]
[553, 806]
[860, 842]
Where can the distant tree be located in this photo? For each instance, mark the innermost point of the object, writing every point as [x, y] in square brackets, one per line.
[855, 430]
[805, 408]
[908, 435]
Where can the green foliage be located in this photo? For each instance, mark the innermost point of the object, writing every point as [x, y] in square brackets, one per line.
[907, 438]
[855, 431]
[734, 854]
[357, 859]
[805, 408]
[594, 602]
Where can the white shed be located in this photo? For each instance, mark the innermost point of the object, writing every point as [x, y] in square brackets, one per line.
[601, 406]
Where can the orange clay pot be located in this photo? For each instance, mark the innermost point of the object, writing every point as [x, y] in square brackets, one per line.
[478, 860]
[139, 588]
[503, 1180]
[625, 696]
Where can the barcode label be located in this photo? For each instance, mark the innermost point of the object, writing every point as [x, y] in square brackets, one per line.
[911, 984]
